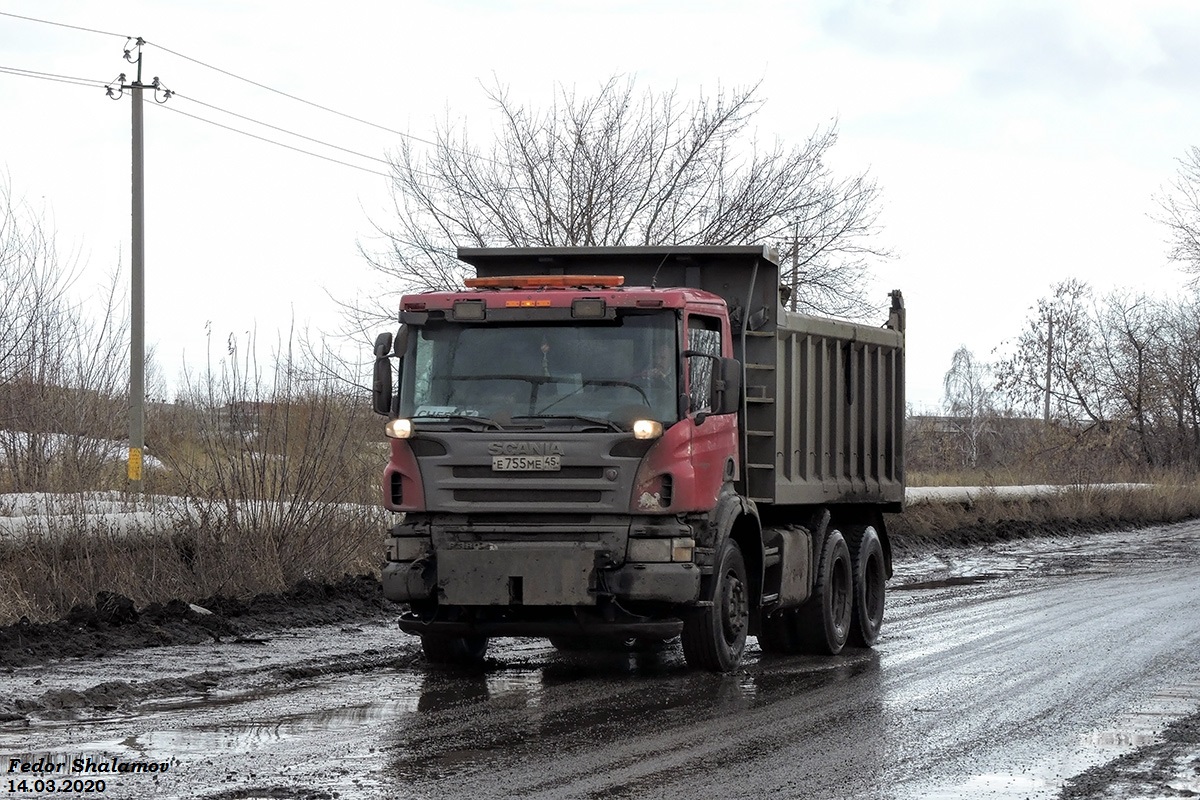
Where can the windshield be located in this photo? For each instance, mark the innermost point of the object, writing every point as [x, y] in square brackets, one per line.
[617, 371]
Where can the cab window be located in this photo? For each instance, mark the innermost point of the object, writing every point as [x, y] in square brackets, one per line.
[703, 336]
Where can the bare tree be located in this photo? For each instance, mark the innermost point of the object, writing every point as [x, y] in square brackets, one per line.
[63, 363]
[969, 402]
[33, 291]
[630, 167]
[1061, 338]
[1181, 213]
[1178, 360]
[1129, 326]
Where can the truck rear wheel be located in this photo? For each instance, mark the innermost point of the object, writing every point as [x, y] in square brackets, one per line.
[823, 623]
[714, 636]
[441, 648]
[866, 558]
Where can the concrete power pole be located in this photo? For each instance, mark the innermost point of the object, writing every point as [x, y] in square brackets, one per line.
[795, 263]
[1049, 362]
[137, 295]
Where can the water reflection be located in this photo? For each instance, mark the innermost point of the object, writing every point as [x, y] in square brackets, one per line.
[580, 709]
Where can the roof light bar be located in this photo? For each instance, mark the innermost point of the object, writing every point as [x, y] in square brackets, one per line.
[544, 281]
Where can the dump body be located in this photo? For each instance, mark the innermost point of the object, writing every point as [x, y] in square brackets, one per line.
[550, 487]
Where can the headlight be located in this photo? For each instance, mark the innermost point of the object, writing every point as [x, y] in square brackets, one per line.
[682, 547]
[399, 428]
[677, 549]
[647, 429]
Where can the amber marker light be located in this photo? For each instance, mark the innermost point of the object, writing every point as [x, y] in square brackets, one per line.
[647, 429]
[399, 429]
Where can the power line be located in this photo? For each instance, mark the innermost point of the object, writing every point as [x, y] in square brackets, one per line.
[263, 86]
[291, 96]
[50, 76]
[283, 130]
[342, 114]
[272, 141]
[63, 25]
[290, 133]
[314, 140]
[94, 83]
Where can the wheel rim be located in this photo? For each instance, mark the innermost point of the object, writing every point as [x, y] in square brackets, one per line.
[737, 610]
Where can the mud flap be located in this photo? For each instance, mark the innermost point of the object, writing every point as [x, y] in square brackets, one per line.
[517, 574]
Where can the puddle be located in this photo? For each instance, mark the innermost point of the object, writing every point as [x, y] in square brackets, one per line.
[1145, 724]
[957, 580]
[249, 736]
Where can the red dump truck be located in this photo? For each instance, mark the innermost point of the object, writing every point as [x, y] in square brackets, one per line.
[630, 444]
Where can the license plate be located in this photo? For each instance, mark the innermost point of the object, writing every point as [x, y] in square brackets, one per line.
[526, 463]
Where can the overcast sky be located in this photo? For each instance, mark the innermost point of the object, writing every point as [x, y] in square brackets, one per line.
[1017, 142]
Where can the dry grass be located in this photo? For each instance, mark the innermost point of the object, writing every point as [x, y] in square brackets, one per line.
[44, 575]
[207, 553]
[1076, 510]
[280, 468]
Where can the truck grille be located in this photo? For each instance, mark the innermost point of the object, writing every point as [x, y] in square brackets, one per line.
[591, 480]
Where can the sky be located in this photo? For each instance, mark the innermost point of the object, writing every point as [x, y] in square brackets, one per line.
[1017, 143]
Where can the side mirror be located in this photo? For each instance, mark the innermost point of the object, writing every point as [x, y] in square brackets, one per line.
[381, 386]
[727, 388]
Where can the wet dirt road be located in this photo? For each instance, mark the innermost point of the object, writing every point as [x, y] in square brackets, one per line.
[1002, 673]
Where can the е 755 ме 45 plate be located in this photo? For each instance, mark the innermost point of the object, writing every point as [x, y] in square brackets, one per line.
[526, 463]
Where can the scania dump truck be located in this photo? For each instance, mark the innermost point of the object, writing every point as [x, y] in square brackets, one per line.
[635, 444]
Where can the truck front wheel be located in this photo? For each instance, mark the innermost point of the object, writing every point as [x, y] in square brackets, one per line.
[714, 636]
[444, 649]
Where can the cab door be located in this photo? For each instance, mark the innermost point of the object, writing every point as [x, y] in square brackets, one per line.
[714, 438]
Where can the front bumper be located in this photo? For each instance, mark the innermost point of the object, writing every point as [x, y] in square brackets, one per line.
[510, 574]
[542, 625]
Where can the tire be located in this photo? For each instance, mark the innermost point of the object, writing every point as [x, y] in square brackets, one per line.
[870, 575]
[823, 623]
[714, 636]
[444, 649]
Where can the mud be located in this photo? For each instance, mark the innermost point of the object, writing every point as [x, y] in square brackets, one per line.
[1166, 768]
[978, 689]
[112, 624]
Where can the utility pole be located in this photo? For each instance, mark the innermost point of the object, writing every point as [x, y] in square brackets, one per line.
[795, 262]
[137, 294]
[1049, 362]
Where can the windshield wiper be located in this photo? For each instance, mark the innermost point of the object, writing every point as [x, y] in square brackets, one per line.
[584, 417]
[467, 417]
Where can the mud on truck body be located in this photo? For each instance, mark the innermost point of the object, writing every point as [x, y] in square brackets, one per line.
[634, 444]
